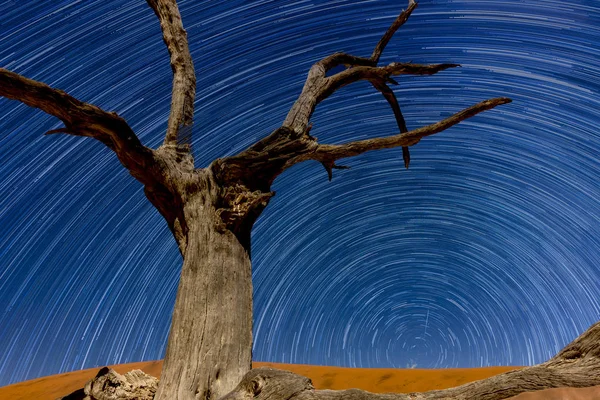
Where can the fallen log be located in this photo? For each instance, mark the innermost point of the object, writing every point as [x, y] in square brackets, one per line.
[575, 366]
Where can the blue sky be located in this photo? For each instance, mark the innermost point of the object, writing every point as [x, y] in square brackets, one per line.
[485, 252]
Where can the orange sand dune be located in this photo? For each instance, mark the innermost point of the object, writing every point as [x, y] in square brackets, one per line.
[374, 380]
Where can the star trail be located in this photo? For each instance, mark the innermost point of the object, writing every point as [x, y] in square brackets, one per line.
[485, 252]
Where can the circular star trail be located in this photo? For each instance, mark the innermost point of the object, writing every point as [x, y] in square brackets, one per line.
[485, 252]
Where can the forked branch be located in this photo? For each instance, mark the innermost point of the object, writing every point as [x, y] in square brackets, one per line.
[81, 119]
[256, 167]
[181, 117]
[319, 86]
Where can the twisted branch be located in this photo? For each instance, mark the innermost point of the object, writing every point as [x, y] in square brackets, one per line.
[181, 117]
[256, 167]
[327, 152]
[82, 119]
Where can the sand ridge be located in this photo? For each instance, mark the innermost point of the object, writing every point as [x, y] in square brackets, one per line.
[376, 380]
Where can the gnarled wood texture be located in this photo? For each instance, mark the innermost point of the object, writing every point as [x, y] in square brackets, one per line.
[181, 117]
[210, 344]
[211, 211]
[82, 119]
[110, 385]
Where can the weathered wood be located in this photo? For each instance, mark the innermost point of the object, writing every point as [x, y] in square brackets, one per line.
[319, 86]
[565, 393]
[210, 344]
[163, 171]
[387, 36]
[389, 95]
[181, 117]
[82, 119]
[258, 166]
[335, 152]
[577, 365]
[110, 385]
[292, 143]
[211, 211]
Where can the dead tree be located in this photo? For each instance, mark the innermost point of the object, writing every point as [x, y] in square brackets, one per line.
[211, 210]
[575, 366]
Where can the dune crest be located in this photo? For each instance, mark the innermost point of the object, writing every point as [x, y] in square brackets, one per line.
[377, 380]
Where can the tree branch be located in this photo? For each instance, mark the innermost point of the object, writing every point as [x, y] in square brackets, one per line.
[402, 18]
[181, 117]
[318, 86]
[391, 99]
[378, 74]
[81, 119]
[255, 168]
[327, 153]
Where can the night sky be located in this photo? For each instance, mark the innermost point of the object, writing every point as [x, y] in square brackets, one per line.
[485, 252]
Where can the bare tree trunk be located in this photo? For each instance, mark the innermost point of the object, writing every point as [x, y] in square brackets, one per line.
[211, 211]
[210, 344]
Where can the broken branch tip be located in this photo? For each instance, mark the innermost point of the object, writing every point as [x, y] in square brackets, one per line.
[55, 131]
[500, 100]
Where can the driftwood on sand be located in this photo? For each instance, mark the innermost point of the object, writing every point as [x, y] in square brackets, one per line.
[576, 366]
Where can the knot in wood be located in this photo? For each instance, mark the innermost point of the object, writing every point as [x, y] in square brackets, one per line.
[238, 203]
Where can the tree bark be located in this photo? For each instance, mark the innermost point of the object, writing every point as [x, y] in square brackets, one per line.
[211, 211]
[210, 344]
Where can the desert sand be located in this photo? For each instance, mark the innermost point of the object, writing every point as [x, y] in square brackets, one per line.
[374, 380]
